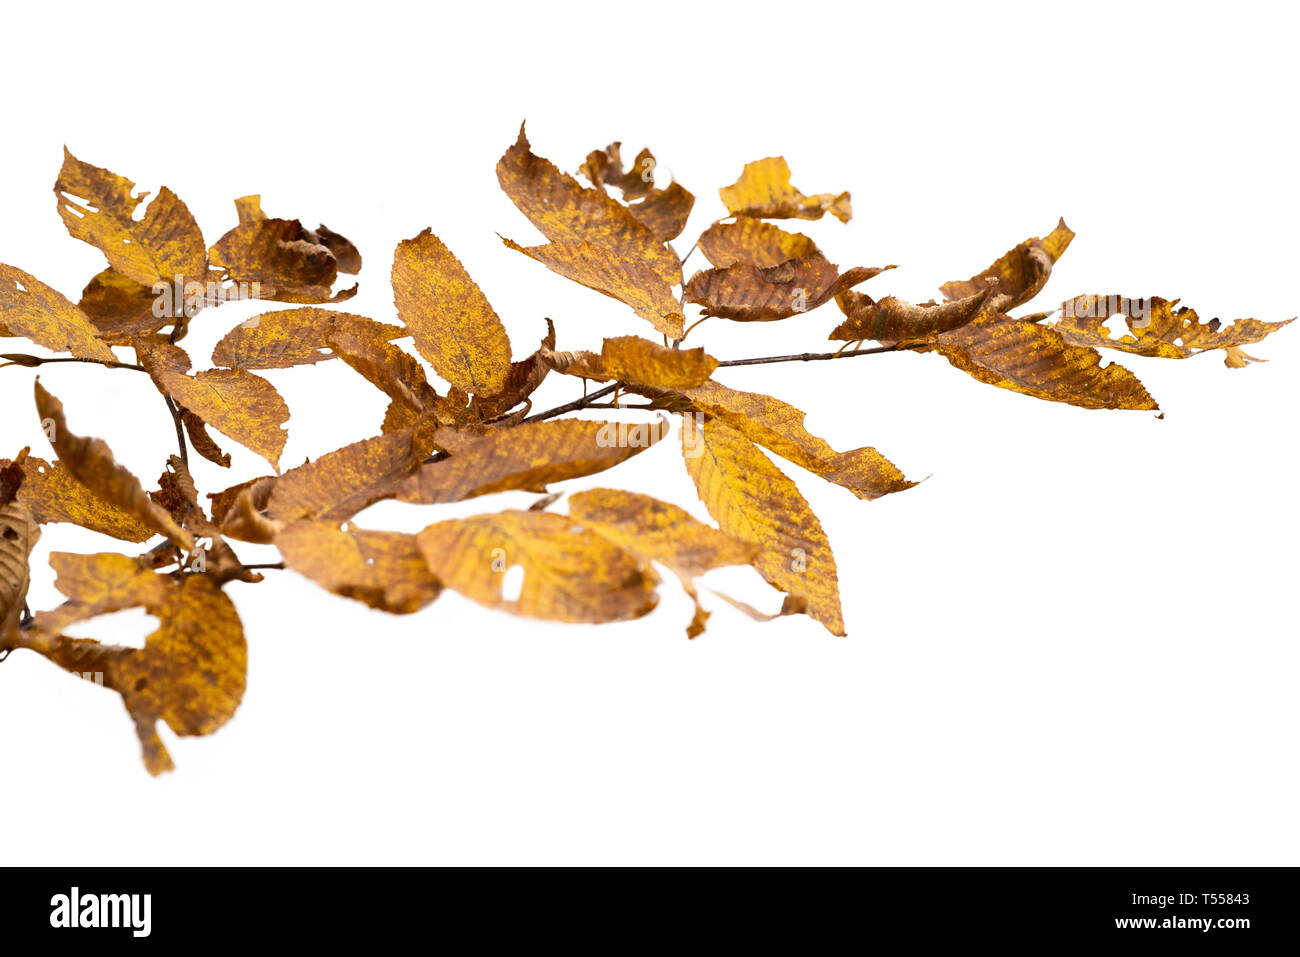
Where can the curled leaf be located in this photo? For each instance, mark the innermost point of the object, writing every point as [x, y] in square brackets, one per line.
[294, 337]
[764, 192]
[746, 293]
[236, 403]
[893, 320]
[753, 241]
[1020, 272]
[663, 211]
[287, 262]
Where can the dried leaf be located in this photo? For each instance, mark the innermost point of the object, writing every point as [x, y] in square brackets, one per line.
[203, 443]
[288, 263]
[663, 211]
[1155, 327]
[90, 461]
[121, 308]
[32, 309]
[98, 207]
[455, 327]
[294, 337]
[1235, 358]
[746, 293]
[19, 534]
[521, 382]
[240, 405]
[55, 496]
[1036, 360]
[764, 192]
[383, 569]
[893, 320]
[639, 362]
[752, 500]
[1019, 274]
[570, 574]
[527, 457]
[565, 212]
[610, 272]
[778, 426]
[753, 241]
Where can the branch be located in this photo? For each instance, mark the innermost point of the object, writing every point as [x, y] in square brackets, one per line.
[815, 356]
[17, 359]
[180, 428]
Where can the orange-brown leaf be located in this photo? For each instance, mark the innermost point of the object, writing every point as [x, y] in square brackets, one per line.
[746, 293]
[294, 337]
[893, 320]
[1019, 273]
[755, 242]
[237, 403]
[764, 192]
[32, 309]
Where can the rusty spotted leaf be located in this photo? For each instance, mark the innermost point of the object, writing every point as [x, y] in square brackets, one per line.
[389, 369]
[191, 672]
[55, 496]
[526, 457]
[238, 404]
[99, 207]
[521, 382]
[1036, 360]
[239, 511]
[751, 499]
[639, 362]
[32, 309]
[294, 337]
[90, 461]
[610, 272]
[343, 482]
[753, 241]
[893, 320]
[286, 261]
[455, 327]
[383, 569]
[1019, 273]
[764, 192]
[746, 293]
[1156, 327]
[663, 211]
[778, 426]
[19, 534]
[664, 533]
[203, 443]
[569, 573]
[121, 308]
[564, 212]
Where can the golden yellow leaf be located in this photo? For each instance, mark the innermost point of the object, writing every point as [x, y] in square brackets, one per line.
[779, 426]
[746, 293]
[53, 495]
[611, 272]
[294, 337]
[237, 403]
[569, 573]
[98, 207]
[1235, 358]
[383, 569]
[32, 309]
[389, 369]
[121, 308]
[764, 192]
[455, 327]
[564, 211]
[1156, 327]
[751, 499]
[526, 457]
[1036, 360]
[521, 382]
[639, 362]
[663, 211]
[90, 461]
[753, 241]
[1020, 272]
[893, 320]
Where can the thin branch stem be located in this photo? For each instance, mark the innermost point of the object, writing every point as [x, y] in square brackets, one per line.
[33, 361]
[266, 566]
[814, 356]
[180, 429]
[576, 404]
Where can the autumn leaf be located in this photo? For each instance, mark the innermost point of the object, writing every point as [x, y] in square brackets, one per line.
[746, 293]
[752, 500]
[663, 211]
[527, 457]
[288, 262]
[664, 533]
[19, 534]
[564, 211]
[610, 272]
[90, 461]
[1020, 272]
[455, 327]
[521, 382]
[1156, 327]
[237, 403]
[893, 320]
[1036, 360]
[764, 192]
[394, 372]
[294, 337]
[778, 426]
[569, 573]
[32, 309]
[640, 362]
[383, 569]
[121, 308]
[53, 495]
[99, 208]
[753, 241]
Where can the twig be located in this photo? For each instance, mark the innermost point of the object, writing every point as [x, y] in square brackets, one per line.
[180, 429]
[33, 361]
[814, 356]
[576, 404]
[266, 566]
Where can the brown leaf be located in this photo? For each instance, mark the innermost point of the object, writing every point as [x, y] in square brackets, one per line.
[294, 337]
[521, 382]
[55, 496]
[752, 500]
[98, 207]
[566, 212]
[237, 403]
[1155, 327]
[778, 426]
[1036, 360]
[32, 309]
[121, 308]
[1019, 274]
[663, 211]
[746, 293]
[203, 443]
[640, 362]
[390, 370]
[612, 273]
[90, 461]
[764, 192]
[755, 242]
[570, 574]
[383, 569]
[19, 534]
[455, 327]
[893, 320]
[289, 263]
[527, 457]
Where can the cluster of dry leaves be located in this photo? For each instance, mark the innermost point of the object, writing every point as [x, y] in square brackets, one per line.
[594, 563]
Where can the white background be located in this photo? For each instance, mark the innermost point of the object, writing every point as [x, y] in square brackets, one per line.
[1074, 644]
